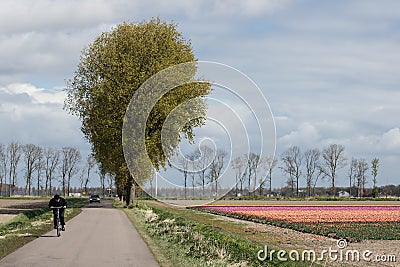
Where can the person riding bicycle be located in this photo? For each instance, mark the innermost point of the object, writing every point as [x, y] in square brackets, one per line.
[58, 201]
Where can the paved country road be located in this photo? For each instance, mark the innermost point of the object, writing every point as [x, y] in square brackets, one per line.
[98, 236]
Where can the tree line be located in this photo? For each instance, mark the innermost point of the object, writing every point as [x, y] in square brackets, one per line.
[250, 168]
[43, 167]
[314, 164]
[201, 168]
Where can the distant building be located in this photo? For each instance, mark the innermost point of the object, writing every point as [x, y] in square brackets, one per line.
[343, 194]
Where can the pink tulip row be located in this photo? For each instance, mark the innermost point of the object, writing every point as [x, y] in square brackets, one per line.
[317, 213]
[277, 207]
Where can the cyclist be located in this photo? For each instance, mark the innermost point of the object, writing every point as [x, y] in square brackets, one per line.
[58, 201]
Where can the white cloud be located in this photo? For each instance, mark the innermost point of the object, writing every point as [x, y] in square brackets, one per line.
[390, 140]
[27, 16]
[306, 135]
[34, 115]
[37, 95]
[248, 8]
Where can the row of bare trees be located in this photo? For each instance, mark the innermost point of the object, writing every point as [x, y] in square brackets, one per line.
[200, 168]
[247, 170]
[42, 167]
[314, 164]
[205, 166]
[358, 173]
[310, 165]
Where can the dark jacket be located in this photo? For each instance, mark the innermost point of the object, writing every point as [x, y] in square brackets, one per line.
[54, 203]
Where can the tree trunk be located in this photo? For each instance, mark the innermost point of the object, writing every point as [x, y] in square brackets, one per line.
[185, 174]
[63, 186]
[50, 188]
[270, 181]
[128, 192]
[132, 194]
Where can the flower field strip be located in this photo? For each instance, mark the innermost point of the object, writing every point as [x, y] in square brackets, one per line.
[352, 230]
[316, 214]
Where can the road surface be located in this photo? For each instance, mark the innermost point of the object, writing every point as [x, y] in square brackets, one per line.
[98, 236]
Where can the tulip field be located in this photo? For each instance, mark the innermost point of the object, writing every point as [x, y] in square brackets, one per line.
[355, 222]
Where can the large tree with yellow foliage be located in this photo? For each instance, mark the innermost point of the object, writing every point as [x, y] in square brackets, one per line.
[111, 70]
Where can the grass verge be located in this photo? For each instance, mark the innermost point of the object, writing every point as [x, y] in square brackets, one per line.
[184, 237]
[32, 224]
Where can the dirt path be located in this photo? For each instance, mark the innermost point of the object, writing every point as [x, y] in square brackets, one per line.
[99, 236]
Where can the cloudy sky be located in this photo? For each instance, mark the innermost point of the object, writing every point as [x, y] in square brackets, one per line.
[329, 69]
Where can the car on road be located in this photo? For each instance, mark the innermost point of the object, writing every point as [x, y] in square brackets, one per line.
[94, 198]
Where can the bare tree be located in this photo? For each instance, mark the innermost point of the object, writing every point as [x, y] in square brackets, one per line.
[110, 181]
[82, 177]
[184, 167]
[102, 176]
[74, 159]
[257, 163]
[51, 161]
[193, 173]
[238, 164]
[69, 167]
[216, 168]
[64, 169]
[262, 182]
[253, 164]
[374, 166]
[270, 163]
[39, 168]
[352, 174]
[318, 174]
[292, 160]
[3, 169]
[204, 158]
[32, 153]
[14, 152]
[362, 176]
[311, 158]
[90, 163]
[242, 179]
[334, 158]
[289, 170]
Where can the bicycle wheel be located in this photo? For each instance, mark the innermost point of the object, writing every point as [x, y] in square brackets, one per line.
[58, 227]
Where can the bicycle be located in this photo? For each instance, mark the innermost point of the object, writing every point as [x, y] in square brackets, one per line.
[58, 224]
